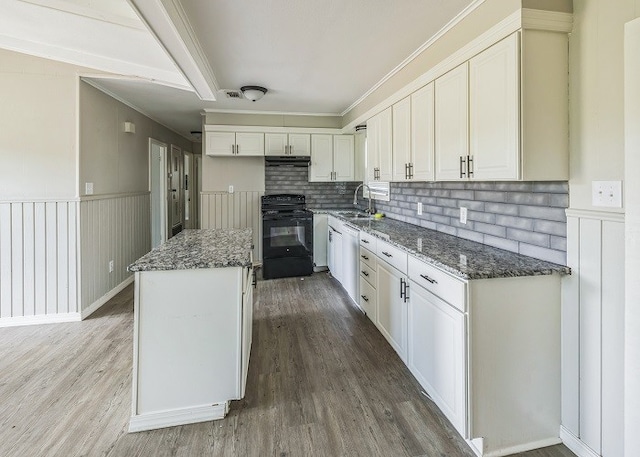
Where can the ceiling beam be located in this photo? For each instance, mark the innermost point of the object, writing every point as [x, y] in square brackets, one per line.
[168, 22]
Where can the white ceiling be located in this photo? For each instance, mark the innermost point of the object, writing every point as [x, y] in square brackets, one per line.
[315, 57]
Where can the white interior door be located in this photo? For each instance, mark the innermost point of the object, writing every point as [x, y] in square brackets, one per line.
[158, 190]
[176, 196]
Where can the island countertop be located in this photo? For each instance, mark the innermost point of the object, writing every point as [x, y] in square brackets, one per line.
[204, 248]
[445, 251]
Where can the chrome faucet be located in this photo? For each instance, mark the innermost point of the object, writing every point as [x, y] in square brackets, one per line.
[369, 209]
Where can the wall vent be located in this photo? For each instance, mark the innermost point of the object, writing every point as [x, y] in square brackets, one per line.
[232, 93]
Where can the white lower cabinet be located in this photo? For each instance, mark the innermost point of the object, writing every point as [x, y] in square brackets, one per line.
[350, 262]
[391, 318]
[437, 352]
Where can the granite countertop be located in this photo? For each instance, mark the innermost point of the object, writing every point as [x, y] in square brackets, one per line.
[444, 251]
[207, 248]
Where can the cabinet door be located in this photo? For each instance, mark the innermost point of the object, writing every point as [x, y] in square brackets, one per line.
[401, 134]
[422, 133]
[372, 153]
[249, 144]
[494, 122]
[451, 123]
[351, 262]
[360, 167]
[321, 166]
[385, 146]
[247, 326]
[437, 355]
[391, 319]
[300, 144]
[220, 143]
[275, 144]
[343, 158]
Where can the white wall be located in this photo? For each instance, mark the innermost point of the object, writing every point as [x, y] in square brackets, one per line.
[115, 221]
[632, 248]
[38, 135]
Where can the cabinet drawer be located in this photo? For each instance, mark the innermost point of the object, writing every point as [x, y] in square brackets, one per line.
[392, 255]
[368, 241]
[438, 282]
[368, 273]
[367, 257]
[367, 299]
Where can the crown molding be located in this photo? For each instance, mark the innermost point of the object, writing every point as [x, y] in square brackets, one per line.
[66, 6]
[451, 24]
[168, 22]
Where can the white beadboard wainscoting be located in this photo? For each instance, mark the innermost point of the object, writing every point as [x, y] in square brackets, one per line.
[240, 209]
[112, 228]
[38, 262]
[593, 334]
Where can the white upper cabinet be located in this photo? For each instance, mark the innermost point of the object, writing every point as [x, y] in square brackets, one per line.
[401, 150]
[422, 134]
[494, 137]
[332, 158]
[379, 147]
[451, 124]
[343, 157]
[234, 144]
[281, 144]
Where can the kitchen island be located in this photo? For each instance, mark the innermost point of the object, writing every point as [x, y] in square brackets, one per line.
[192, 327]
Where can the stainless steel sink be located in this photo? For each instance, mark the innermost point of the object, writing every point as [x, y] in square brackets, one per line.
[354, 215]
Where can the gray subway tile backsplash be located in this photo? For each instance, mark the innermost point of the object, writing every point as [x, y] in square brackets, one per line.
[524, 217]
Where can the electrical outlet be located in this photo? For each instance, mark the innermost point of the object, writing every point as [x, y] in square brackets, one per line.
[110, 266]
[420, 244]
[230, 189]
[88, 188]
[463, 215]
[419, 208]
[606, 193]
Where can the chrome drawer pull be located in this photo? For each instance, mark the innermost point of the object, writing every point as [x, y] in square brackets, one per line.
[364, 257]
[364, 297]
[427, 278]
[364, 273]
[365, 241]
[387, 254]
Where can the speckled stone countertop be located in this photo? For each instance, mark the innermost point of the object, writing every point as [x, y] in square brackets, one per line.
[444, 250]
[207, 248]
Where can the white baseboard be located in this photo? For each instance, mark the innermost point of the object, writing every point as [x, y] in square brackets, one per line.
[162, 419]
[575, 445]
[106, 297]
[39, 319]
[478, 443]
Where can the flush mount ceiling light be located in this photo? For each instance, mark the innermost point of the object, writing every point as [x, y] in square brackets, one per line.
[253, 93]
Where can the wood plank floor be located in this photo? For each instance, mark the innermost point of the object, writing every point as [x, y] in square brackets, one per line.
[322, 382]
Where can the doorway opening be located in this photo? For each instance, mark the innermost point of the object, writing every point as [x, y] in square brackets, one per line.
[158, 190]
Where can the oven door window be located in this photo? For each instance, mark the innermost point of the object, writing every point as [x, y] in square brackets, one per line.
[282, 237]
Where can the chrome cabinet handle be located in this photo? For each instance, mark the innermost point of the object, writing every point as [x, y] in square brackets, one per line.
[463, 174]
[387, 254]
[365, 241]
[291, 149]
[470, 166]
[364, 273]
[237, 149]
[427, 278]
[364, 257]
[365, 298]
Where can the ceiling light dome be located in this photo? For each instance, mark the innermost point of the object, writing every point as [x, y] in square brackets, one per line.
[253, 93]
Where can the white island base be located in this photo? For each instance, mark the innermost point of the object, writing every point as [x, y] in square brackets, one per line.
[192, 339]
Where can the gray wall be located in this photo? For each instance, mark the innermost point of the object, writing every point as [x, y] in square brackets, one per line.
[524, 217]
[320, 195]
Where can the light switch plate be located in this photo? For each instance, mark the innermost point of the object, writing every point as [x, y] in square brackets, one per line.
[463, 215]
[606, 193]
[230, 189]
[88, 188]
